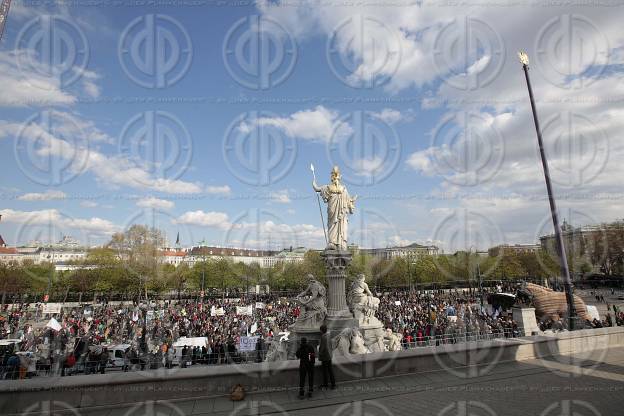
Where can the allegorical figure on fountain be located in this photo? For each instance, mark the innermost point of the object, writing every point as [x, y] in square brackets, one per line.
[361, 301]
[339, 206]
[313, 304]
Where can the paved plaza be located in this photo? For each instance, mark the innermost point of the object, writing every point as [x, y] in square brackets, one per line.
[561, 385]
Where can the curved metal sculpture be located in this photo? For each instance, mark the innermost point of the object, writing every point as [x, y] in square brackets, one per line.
[549, 304]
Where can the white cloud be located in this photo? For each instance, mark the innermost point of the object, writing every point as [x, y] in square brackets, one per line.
[156, 203]
[224, 190]
[205, 219]
[368, 166]
[282, 196]
[42, 196]
[88, 204]
[392, 116]
[30, 85]
[273, 235]
[70, 140]
[421, 161]
[25, 87]
[54, 219]
[318, 124]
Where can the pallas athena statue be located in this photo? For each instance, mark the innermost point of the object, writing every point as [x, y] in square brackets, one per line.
[339, 206]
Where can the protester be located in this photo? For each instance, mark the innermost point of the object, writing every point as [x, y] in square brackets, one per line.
[422, 318]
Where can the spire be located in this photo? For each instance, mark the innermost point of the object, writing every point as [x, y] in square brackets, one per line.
[178, 239]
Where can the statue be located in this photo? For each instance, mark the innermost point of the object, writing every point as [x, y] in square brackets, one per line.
[278, 350]
[339, 206]
[361, 301]
[394, 340]
[312, 300]
[377, 343]
[349, 342]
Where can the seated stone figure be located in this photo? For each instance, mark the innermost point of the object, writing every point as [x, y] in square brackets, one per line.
[278, 350]
[361, 301]
[348, 342]
[394, 340]
[312, 301]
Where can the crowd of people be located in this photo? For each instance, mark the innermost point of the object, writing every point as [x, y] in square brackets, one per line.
[92, 338]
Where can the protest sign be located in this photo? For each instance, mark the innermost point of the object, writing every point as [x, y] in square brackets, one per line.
[244, 310]
[53, 323]
[248, 343]
[52, 308]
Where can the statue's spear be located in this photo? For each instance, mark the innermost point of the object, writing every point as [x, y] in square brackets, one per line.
[318, 199]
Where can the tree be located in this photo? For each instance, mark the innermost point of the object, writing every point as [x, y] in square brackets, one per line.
[426, 270]
[504, 266]
[539, 264]
[607, 248]
[140, 245]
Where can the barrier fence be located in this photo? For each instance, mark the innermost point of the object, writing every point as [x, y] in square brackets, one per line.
[147, 362]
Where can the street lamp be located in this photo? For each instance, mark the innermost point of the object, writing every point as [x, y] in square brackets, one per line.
[574, 322]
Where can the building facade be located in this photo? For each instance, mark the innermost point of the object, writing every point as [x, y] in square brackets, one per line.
[264, 258]
[513, 249]
[580, 243]
[410, 251]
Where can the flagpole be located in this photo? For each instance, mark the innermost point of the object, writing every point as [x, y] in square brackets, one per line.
[573, 319]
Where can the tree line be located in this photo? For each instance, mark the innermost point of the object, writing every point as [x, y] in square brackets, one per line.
[131, 265]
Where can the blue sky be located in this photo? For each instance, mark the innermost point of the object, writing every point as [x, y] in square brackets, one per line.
[434, 135]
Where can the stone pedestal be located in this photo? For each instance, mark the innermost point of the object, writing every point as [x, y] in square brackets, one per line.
[525, 318]
[338, 314]
[313, 335]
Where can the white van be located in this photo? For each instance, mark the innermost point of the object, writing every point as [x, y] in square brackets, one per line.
[116, 355]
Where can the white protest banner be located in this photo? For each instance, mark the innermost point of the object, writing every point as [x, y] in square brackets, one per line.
[592, 311]
[219, 312]
[213, 311]
[248, 343]
[254, 328]
[53, 323]
[397, 302]
[52, 308]
[260, 305]
[244, 310]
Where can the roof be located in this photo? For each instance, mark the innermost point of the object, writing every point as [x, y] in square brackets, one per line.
[225, 251]
[8, 250]
[413, 245]
[2, 243]
[174, 253]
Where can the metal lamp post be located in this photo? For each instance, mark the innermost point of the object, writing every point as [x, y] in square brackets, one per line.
[574, 322]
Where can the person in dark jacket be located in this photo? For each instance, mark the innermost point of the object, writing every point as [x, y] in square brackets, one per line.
[306, 356]
[325, 355]
[103, 360]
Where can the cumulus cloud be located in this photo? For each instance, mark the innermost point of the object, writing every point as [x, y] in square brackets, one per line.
[281, 197]
[42, 196]
[318, 124]
[223, 190]
[205, 219]
[32, 222]
[30, 85]
[71, 141]
[156, 203]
